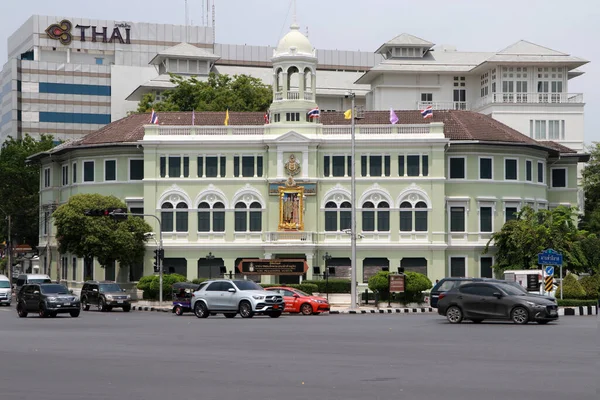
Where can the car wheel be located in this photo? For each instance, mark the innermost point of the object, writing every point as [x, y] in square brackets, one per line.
[101, 305]
[126, 308]
[200, 310]
[275, 314]
[21, 311]
[477, 321]
[75, 314]
[246, 310]
[42, 311]
[230, 315]
[519, 315]
[85, 305]
[178, 310]
[306, 309]
[454, 315]
[542, 322]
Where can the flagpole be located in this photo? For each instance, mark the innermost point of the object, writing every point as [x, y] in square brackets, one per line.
[353, 209]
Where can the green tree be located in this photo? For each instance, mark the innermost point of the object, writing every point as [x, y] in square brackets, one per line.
[520, 241]
[591, 186]
[379, 283]
[572, 289]
[217, 93]
[99, 237]
[19, 187]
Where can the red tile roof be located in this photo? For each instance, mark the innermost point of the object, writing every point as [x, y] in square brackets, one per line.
[458, 126]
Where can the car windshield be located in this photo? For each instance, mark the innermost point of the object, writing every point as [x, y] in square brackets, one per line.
[54, 289]
[4, 284]
[109, 287]
[517, 286]
[247, 285]
[511, 290]
[39, 280]
[301, 293]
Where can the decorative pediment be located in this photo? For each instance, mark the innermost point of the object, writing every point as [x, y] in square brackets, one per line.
[248, 195]
[211, 195]
[414, 194]
[376, 194]
[174, 195]
[292, 137]
[338, 194]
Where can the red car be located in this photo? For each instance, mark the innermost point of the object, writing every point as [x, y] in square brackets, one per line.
[296, 301]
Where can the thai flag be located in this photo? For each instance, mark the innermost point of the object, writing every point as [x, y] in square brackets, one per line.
[427, 112]
[314, 113]
[266, 117]
[154, 118]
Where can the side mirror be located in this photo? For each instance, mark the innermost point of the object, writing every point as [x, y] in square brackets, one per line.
[497, 294]
[231, 290]
[124, 290]
[36, 292]
[296, 295]
[71, 291]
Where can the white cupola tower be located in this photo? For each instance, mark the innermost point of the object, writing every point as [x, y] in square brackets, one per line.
[294, 78]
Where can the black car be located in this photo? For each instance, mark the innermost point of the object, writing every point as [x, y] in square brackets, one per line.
[48, 300]
[478, 301]
[104, 295]
[447, 284]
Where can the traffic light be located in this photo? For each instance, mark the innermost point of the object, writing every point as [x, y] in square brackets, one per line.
[161, 254]
[117, 214]
[156, 262]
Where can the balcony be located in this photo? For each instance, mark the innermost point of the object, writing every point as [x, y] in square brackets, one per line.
[444, 105]
[293, 95]
[289, 237]
[530, 98]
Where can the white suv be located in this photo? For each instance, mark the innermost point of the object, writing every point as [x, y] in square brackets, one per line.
[238, 296]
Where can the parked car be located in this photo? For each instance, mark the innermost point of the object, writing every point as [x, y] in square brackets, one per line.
[230, 297]
[105, 296]
[5, 291]
[478, 301]
[48, 300]
[24, 279]
[446, 284]
[296, 301]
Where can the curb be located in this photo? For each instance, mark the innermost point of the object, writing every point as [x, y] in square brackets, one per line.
[581, 310]
[421, 310]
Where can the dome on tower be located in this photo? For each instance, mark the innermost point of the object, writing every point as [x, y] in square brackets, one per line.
[294, 42]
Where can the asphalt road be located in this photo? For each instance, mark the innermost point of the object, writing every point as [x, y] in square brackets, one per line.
[149, 356]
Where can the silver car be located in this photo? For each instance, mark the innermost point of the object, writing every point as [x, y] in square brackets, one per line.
[230, 297]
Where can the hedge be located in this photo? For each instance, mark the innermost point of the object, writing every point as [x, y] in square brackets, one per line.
[576, 303]
[150, 285]
[305, 287]
[336, 285]
[198, 281]
[591, 285]
[572, 288]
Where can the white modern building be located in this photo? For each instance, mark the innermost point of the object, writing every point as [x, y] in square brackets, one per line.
[70, 76]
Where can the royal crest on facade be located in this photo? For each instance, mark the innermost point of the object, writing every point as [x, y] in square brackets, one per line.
[292, 166]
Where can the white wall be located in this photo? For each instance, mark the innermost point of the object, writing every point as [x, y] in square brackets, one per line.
[125, 80]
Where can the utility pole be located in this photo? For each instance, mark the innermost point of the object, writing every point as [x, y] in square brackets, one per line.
[9, 249]
[353, 209]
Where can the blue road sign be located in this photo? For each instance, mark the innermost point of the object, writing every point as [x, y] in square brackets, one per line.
[550, 257]
[549, 270]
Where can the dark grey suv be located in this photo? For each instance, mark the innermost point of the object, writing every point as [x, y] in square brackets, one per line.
[47, 300]
[479, 301]
[104, 295]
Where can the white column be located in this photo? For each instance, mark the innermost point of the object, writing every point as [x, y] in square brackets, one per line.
[36, 53]
[255, 165]
[279, 163]
[218, 166]
[368, 160]
[305, 164]
[68, 55]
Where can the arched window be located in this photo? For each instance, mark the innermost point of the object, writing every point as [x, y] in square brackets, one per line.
[166, 217]
[368, 217]
[383, 217]
[408, 214]
[345, 216]
[248, 217]
[181, 217]
[293, 78]
[331, 217]
[240, 217]
[204, 217]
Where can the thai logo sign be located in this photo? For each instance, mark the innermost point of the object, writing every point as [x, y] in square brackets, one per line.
[121, 33]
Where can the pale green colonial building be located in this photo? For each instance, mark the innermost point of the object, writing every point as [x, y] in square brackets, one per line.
[429, 192]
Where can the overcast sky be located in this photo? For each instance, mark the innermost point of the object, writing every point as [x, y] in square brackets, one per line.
[572, 27]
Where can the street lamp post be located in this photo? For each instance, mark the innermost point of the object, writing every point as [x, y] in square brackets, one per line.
[326, 258]
[353, 202]
[8, 248]
[210, 257]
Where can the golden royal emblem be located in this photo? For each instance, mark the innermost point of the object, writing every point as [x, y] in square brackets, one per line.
[292, 166]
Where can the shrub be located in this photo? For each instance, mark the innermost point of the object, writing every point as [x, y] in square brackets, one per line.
[572, 289]
[591, 285]
[150, 285]
[414, 286]
[575, 303]
[198, 281]
[336, 285]
[379, 282]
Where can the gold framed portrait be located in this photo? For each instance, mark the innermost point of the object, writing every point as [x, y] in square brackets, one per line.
[291, 208]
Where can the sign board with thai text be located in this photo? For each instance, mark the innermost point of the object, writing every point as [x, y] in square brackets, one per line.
[273, 267]
[396, 283]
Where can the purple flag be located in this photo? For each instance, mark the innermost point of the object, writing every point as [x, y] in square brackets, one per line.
[393, 117]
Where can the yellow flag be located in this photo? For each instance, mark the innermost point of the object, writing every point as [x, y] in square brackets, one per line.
[348, 114]
[227, 117]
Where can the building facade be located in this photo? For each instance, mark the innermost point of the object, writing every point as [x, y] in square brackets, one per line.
[70, 76]
[430, 192]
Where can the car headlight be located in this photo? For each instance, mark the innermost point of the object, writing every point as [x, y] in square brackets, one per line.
[109, 297]
[534, 304]
[52, 299]
[128, 297]
[321, 302]
[258, 297]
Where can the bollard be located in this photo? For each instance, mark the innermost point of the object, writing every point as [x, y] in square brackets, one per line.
[366, 296]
